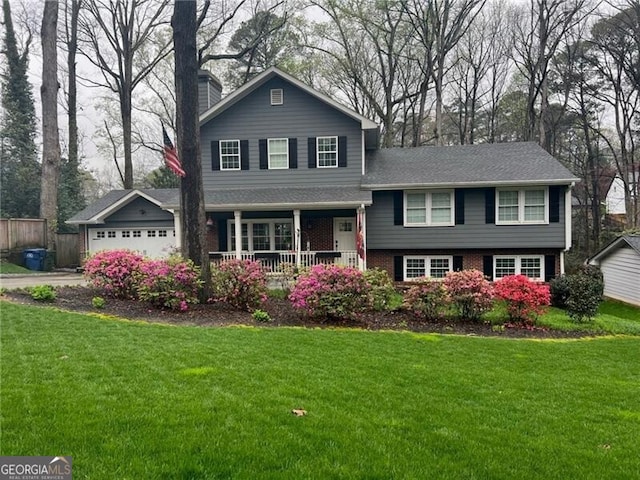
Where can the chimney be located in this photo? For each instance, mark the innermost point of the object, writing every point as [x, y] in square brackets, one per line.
[209, 90]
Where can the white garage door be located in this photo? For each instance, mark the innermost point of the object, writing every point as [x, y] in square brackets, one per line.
[151, 242]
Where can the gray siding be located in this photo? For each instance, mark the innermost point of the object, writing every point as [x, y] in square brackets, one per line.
[301, 116]
[621, 272]
[131, 215]
[474, 234]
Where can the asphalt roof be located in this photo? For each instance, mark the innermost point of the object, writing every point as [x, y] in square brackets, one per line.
[161, 195]
[482, 164]
[632, 240]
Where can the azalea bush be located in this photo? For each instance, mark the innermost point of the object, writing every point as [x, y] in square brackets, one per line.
[172, 283]
[524, 298]
[427, 299]
[113, 272]
[332, 291]
[381, 288]
[470, 292]
[240, 283]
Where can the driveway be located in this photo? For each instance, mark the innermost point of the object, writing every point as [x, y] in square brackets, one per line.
[55, 279]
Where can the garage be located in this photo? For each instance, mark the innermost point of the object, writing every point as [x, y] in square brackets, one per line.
[150, 242]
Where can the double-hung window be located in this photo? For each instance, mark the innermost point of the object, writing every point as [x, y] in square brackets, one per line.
[278, 151]
[421, 266]
[229, 154]
[531, 266]
[522, 206]
[327, 151]
[429, 208]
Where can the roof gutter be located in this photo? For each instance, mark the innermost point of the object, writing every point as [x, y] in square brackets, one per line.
[504, 183]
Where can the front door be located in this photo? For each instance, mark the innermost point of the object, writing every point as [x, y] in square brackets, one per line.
[344, 234]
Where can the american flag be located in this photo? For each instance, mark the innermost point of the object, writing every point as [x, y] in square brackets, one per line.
[171, 155]
[360, 236]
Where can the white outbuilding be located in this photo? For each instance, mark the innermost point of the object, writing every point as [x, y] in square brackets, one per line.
[620, 265]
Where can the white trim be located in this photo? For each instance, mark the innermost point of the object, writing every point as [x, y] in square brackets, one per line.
[568, 222]
[249, 222]
[427, 265]
[318, 151]
[222, 169]
[429, 208]
[521, 206]
[286, 151]
[518, 266]
[497, 183]
[99, 217]
[273, 96]
[362, 149]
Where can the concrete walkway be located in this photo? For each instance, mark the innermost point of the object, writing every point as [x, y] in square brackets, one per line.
[10, 281]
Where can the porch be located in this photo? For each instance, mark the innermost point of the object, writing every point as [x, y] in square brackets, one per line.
[274, 262]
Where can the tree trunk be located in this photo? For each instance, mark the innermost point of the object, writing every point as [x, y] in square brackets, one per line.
[125, 102]
[50, 139]
[188, 137]
[72, 100]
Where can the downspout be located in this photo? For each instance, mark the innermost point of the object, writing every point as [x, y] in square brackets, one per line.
[568, 225]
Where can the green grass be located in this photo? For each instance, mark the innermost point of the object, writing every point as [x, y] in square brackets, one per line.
[6, 267]
[132, 400]
[613, 317]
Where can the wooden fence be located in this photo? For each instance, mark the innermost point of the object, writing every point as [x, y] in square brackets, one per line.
[16, 234]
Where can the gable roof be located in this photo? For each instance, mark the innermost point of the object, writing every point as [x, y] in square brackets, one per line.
[490, 164]
[632, 241]
[267, 75]
[96, 212]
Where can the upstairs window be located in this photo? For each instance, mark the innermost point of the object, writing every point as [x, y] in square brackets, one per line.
[278, 152]
[327, 151]
[522, 206]
[429, 208]
[277, 97]
[229, 154]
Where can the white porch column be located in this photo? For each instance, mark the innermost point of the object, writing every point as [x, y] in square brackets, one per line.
[177, 225]
[297, 236]
[237, 217]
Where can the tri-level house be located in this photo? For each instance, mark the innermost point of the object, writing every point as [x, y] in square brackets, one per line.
[291, 175]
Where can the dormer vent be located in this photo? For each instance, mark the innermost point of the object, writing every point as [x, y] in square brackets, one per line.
[276, 96]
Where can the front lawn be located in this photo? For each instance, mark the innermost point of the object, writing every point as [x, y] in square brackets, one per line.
[136, 400]
[6, 267]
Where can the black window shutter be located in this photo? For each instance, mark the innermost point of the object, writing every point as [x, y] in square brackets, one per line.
[262, 149]
[293, 153]
[398, 268]
[312, 152]
[487, 266]
[489, 205]
[554, 203]
[244, 154]
[398, 207]
[215, 155]
[222, 236]
[342, 151]
[457, 263]
[549, 267]
[459, 206]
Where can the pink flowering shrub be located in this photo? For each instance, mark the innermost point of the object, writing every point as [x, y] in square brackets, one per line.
[471, 293]
[240, 283]
[173, 283]
[331, 291]
[113, 271]
[427, 298]
[525, 298]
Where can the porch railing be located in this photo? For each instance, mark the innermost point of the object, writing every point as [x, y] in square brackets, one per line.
[273, 261]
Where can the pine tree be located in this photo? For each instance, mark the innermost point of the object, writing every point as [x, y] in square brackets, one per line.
[20, 170]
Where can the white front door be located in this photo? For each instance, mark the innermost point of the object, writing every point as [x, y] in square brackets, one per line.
[344, 234]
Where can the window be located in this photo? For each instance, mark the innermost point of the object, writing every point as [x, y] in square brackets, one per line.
[100, 234]
[277, 97]
[327, 148]
[522, 206]
[126, 234]
[263, 235]
[278, 152]
[162, 233]
[433, 267]
[151, 233]
[229, 154]
[428, 208]
[137, 234]
[111, 234]
[530, 266]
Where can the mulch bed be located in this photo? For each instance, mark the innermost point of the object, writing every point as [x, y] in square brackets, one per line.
[78, 299]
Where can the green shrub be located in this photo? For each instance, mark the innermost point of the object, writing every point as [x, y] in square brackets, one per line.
[427, 299]
[559, 289]
[381, 289]
[43, 293]
[585, 295]
[261, 316]
[98, 302]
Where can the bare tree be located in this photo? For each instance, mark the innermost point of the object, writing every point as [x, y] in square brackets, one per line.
[123, 39]
[188, 143]
[50, 135]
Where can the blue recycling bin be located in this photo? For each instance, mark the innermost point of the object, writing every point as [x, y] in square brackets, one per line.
[33, 258]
